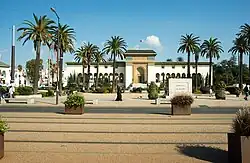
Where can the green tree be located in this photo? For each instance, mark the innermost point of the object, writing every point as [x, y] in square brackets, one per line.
[240, 46]
[116, 47]
[188, 44]
[39, 32]
[197, 55]
[179, 59]
[169, 60]
[80, 57]
[98, 58]
[85, 54]
[245, 33]
[66, 41]
[30, 69]
[211, 49]
[19, 68]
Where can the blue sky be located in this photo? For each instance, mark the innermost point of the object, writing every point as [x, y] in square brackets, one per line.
[160, 23]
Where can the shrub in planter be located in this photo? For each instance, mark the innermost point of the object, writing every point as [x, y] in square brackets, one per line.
[3, 128]
[136, 90]
[74, 104]
[24, 90]
[238, 140]
[181, 104]
[205, 90]
[220, 90]
[233, 90]
[153, 91]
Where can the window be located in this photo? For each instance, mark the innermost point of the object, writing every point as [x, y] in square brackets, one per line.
[173, 67]
[162, 66]
[106, 66]
[183, 67]
[20, 82]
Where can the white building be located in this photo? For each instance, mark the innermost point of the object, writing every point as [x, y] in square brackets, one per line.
[138, 69]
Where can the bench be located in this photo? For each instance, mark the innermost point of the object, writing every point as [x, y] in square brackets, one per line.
[19, 100]
[162, 101]
[91, 101]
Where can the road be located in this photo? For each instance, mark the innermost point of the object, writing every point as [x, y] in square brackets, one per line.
[119, 110]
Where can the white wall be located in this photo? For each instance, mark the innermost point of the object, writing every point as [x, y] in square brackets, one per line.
[128, 75]
[103, 69]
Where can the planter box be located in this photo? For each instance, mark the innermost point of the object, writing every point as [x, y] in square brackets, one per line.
[74, 110]
[238, 148]
[29, 96]
[1, 145]
[180, 109]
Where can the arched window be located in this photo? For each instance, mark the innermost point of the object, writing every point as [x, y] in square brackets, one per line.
[157, 77]
[178, 75]
[163, 77]
[173, 75]
[168, 76]
[183, 75]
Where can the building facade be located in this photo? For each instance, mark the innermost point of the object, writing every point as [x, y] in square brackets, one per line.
[138, 68]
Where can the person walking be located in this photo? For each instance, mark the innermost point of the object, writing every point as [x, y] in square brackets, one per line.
[11, 91]
[246, 91]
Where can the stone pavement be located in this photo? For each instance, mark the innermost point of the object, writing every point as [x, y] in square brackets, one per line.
[139, 99]
[113, 138]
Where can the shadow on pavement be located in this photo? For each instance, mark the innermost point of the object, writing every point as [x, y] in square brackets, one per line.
[204, 153]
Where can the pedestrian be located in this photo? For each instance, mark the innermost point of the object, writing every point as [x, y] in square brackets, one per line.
[211, 92]
[246, 91]
[11, 91]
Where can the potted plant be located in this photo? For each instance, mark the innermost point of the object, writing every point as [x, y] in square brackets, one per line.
[181, 104]
[74, 104]
[152, 91]
[238, 140]
[220, 90]
[3, 128]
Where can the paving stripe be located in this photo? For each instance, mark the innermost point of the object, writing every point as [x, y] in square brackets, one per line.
[117, 142]
[129, 123]
[114, 132]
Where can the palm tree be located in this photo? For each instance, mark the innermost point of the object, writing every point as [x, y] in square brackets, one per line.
[39, 32]
[88, 50]
[245, 32]
[98, 58]
[212, 49]
[240, 46]
[19, 68]
[67, 38]
[116, 47]
[81, 57]
[197, 55]
[188, 44]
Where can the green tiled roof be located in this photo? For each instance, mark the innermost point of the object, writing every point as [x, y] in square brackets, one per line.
[118, 63]
[2, 64]
[180, 63]
[140, 52]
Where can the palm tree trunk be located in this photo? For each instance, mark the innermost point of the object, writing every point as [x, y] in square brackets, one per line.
[196, 75]
[210, 71]
[113, 82]
[249, 69]
[188, 69]
[60, 72]
[37, 67]
[241, 58]
[83, 75]
[88, 77]
[97, 74]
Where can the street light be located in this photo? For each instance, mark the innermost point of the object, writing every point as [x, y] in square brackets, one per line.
[58, 52]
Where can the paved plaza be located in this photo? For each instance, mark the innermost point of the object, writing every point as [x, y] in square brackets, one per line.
[48, 136]
[138, 138]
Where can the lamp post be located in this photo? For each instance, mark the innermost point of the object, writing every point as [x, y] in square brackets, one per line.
[57, 56]
[13, 55]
